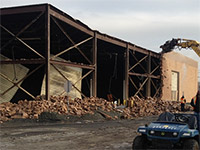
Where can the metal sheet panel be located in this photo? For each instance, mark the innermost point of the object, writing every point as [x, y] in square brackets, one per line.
[14, 72]
[57, 82]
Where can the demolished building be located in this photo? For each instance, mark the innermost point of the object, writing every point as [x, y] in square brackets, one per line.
[51, 48]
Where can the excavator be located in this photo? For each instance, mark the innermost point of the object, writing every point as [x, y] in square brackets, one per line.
[172, 131]
[181, 43]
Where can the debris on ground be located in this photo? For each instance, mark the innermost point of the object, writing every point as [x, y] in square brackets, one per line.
[64, 106]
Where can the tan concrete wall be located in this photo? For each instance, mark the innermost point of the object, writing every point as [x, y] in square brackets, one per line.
[188, 75]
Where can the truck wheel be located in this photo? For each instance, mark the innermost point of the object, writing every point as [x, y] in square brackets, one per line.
[140, 142]
[190, 144]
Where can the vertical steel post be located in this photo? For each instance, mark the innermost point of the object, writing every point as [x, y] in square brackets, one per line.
[127, 72]
[94, 59]
[47, 50]
[148, 85]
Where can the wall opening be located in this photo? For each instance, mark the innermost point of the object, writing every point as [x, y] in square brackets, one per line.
[175, 86]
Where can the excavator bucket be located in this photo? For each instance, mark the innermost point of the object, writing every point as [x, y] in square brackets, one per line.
[169, 46]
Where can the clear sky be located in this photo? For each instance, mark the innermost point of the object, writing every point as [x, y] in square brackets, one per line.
[146, 23]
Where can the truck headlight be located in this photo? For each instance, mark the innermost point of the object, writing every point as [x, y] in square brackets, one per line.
[152, 132]
[142, 130]
[175, 133]
[186, 134]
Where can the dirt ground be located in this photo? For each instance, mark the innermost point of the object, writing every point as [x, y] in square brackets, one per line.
[77, 135]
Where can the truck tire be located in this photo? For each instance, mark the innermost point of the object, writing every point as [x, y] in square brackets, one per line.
[140, 142]
[190, 144]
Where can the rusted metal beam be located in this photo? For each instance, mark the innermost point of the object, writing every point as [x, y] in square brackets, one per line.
[70, 22]
[138, 63]
[156, 92]
[64, 51]
[23, 61]
[8, 79]
[148, 85]
[123, 44]
[141, 86]
[155, 69]
[144, 75]
[153, 85]
[79, 80]
[94, 61]
[83, 76]
[22, 79]
[22, 41]
[22, 9]
[21, 31]
[65, 33]
[68, 80]
[72, 64]
[47, 52]
[126, 73]
[155, 62]
[135, 86]
[110, 39]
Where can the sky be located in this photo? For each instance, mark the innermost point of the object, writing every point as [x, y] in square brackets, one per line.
[146, 23]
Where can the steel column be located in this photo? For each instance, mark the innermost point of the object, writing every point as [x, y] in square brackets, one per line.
[94, 75]
[148, 85]
[127, 72]
[47, 50]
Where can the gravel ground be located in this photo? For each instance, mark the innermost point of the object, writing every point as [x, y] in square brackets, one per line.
[80, 134]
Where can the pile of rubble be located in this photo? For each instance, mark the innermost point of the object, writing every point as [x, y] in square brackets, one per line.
[150, 106]
[63, 105]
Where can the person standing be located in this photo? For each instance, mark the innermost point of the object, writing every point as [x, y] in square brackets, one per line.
[195, 103]
[183, 103]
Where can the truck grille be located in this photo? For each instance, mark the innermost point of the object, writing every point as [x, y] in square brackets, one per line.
[162, 134]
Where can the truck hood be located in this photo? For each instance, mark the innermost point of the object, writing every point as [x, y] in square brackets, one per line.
[169, 126]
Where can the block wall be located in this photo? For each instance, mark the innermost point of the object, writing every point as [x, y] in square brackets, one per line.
[187, 69]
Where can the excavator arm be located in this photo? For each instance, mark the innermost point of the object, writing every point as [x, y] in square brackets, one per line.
[181, 43]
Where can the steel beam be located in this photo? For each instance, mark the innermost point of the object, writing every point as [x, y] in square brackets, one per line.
[22, 30]
[14, 84]
[94, 75]
[148, 85]
[70, 39]
[135, 86]
[141, 86]
[156, 92]
[70, 22]
[127, 73]
[22, 9]
[138, 63]
[123, 44]
[47, 51]
[23, 61]
[22, 41]
[83, 76]
[144, 75]
[64, 51]
[72, 64]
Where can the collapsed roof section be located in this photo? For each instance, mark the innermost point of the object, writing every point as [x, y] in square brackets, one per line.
[36, 35]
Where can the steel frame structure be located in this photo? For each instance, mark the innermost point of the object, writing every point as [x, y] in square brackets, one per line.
[53, 15]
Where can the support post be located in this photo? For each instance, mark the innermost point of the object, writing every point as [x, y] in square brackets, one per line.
[148, 85]
[127, 72]
[94, 75]
[47, 50]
